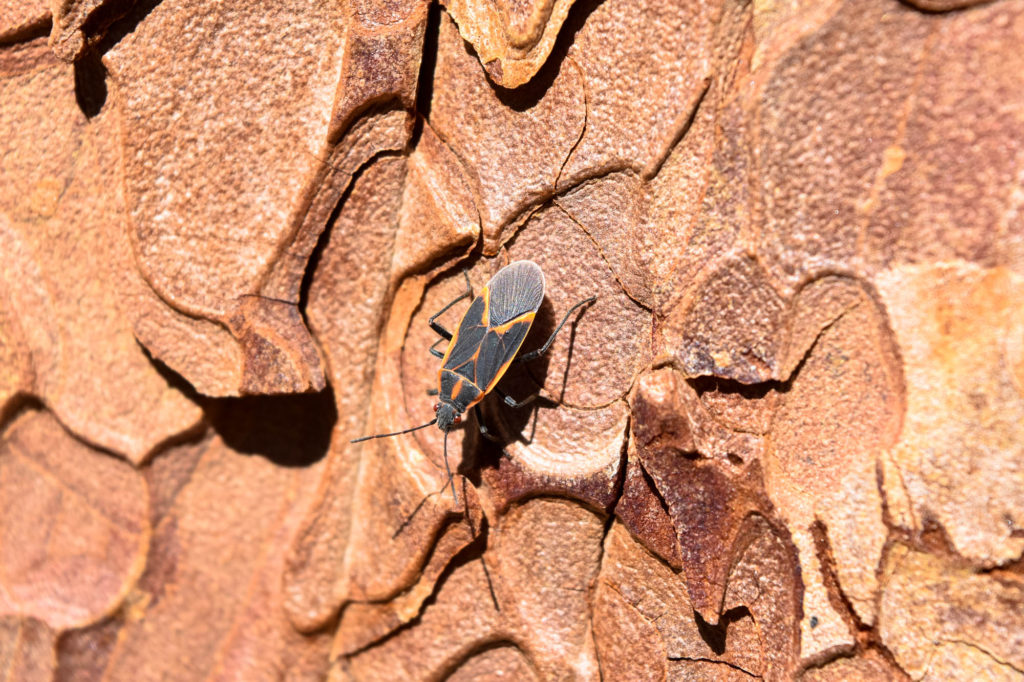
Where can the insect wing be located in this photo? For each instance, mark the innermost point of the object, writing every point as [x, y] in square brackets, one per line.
[462, 350]
[498, 349]
[517, 289]
[513, 297]
[492, 330]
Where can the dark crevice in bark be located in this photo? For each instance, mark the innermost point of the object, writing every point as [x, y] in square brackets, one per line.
[484, 647]
[108, 14]
[583, 128]
[709, 384]
[661, 499]
[963, 6]
[428, 65]
[15, 407]
[867, 636]
[526, 96]
[837, 597]
[118, 21]
[786, 385]
[313, 263]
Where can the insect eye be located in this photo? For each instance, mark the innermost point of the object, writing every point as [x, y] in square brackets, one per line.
[437, 406]
[457, 419]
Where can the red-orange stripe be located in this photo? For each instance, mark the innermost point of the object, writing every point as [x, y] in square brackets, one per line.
[502, 328]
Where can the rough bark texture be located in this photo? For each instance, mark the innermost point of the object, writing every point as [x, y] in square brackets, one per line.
[785, 442]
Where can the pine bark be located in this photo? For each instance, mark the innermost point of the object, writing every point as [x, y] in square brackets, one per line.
[786, 441]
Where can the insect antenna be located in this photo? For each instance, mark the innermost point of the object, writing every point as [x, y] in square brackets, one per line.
[447, 469]
[451, 481]
[399, 433]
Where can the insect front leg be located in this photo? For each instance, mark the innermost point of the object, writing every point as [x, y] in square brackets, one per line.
[438, 327]
[534, 354]
[433, 347]
[484, 431]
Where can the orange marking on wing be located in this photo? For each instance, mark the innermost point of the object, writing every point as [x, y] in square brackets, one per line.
[474, 359]
[455, 335]
[451, 345]
[486, 295]
[478, 398]
[525, 317]
[500, 373]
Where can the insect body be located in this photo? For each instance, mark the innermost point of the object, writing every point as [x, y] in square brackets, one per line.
[488, 338]
[485, 344]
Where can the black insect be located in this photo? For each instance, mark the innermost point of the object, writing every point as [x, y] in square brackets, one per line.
[485, 344]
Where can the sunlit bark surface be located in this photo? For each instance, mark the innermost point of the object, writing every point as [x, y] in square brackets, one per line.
[785, 442]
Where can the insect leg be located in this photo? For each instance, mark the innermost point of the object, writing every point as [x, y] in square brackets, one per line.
[436, 326]
[451, 481]
[433, 348]
[512, 402]
[484, 431]
[526, 357]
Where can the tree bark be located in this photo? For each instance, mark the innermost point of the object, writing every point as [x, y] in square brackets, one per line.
[786, 441]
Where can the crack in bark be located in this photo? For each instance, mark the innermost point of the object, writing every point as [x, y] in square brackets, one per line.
[699, 659]
[838, 598]
[608, 524]
[29, 32]
[483, 647]
[604, 256]
[428, 66]
[490, 583]
[787, 383]
[649, 173]
[749, 392]
[653, 486]
[583, 128]
[984, 652]
[471, 552]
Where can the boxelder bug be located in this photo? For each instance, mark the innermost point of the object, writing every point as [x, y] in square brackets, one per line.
[484, 345]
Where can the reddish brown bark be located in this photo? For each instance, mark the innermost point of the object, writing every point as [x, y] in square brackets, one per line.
[785, 442]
